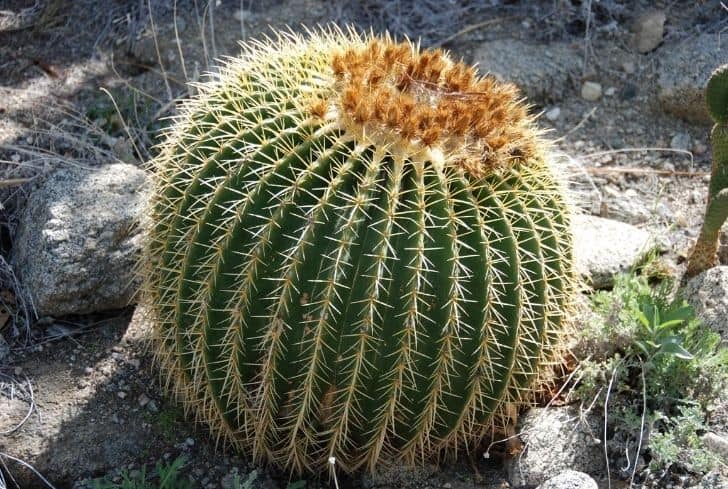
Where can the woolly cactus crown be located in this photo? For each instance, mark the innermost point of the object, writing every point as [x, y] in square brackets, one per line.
[356, 250]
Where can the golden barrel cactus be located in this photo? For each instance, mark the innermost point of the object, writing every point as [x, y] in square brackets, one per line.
[356, 249]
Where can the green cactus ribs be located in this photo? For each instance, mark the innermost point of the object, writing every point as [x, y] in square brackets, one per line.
[704, 254]
[356, 249]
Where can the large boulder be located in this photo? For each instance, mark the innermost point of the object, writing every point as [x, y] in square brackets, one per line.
[544, 74]
[708, 294]
[78, 240]
[555, 440]
[603, 248]
[684, 72]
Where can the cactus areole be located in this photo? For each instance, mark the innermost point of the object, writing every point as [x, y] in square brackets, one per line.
[356, 249]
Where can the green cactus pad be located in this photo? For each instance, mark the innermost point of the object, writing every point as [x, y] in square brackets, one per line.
[355, 250]
[716, 95]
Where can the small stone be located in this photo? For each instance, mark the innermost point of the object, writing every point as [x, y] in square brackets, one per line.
[650, 28]
[629, 67]
[447, 485]
[699, 148]
[553, 114]
[134, 362]
[628, 91]
[241, 15]
[680, 141]
[609, 92]
[18, 370]
[88, 370]
[591, 91]
[143, 400]
[115, 419]
[190, 442]
[152, 407]
[121, 394]
[15, 157]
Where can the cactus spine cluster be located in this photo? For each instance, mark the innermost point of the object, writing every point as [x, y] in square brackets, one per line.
[704, 254]
[357, 250]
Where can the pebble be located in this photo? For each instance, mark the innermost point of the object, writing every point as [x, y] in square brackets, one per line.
[699, 148]
[143, 400]
[241, 15]
[650, 28]
[628, 92]
[121, 394]
[152, 407]
[88, 370]
[591, 91]
[134, 362]
[190, 442]
[553, 114]
[18, 370]
[609, 92]
[680, 141]
[629, 67]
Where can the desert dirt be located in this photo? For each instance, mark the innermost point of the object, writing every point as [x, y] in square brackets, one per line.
[98, 402]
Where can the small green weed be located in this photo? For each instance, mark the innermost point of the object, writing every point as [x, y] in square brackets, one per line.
[661, 368]
[165, 476]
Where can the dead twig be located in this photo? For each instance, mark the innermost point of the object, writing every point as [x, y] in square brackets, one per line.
[30, 399]
[648, 171]
[27, 466]
[471, 28]
[13, 182]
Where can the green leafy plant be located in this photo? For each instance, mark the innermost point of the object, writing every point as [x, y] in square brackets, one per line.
[356, 251]
[657, 335]
[665, 369]
[166, 476]
[704, 254]
[676, 440]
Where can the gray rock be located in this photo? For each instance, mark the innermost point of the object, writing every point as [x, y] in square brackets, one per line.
[570, 479]
[556, 439]
[78, 240]
[544, 74]
[708, 294]
[717, 444]
[591, 91]
[603, 247]
[650, 28]
[684, 72]
[628, 206]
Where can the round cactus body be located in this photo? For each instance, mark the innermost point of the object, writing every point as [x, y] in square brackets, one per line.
[356, 250]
